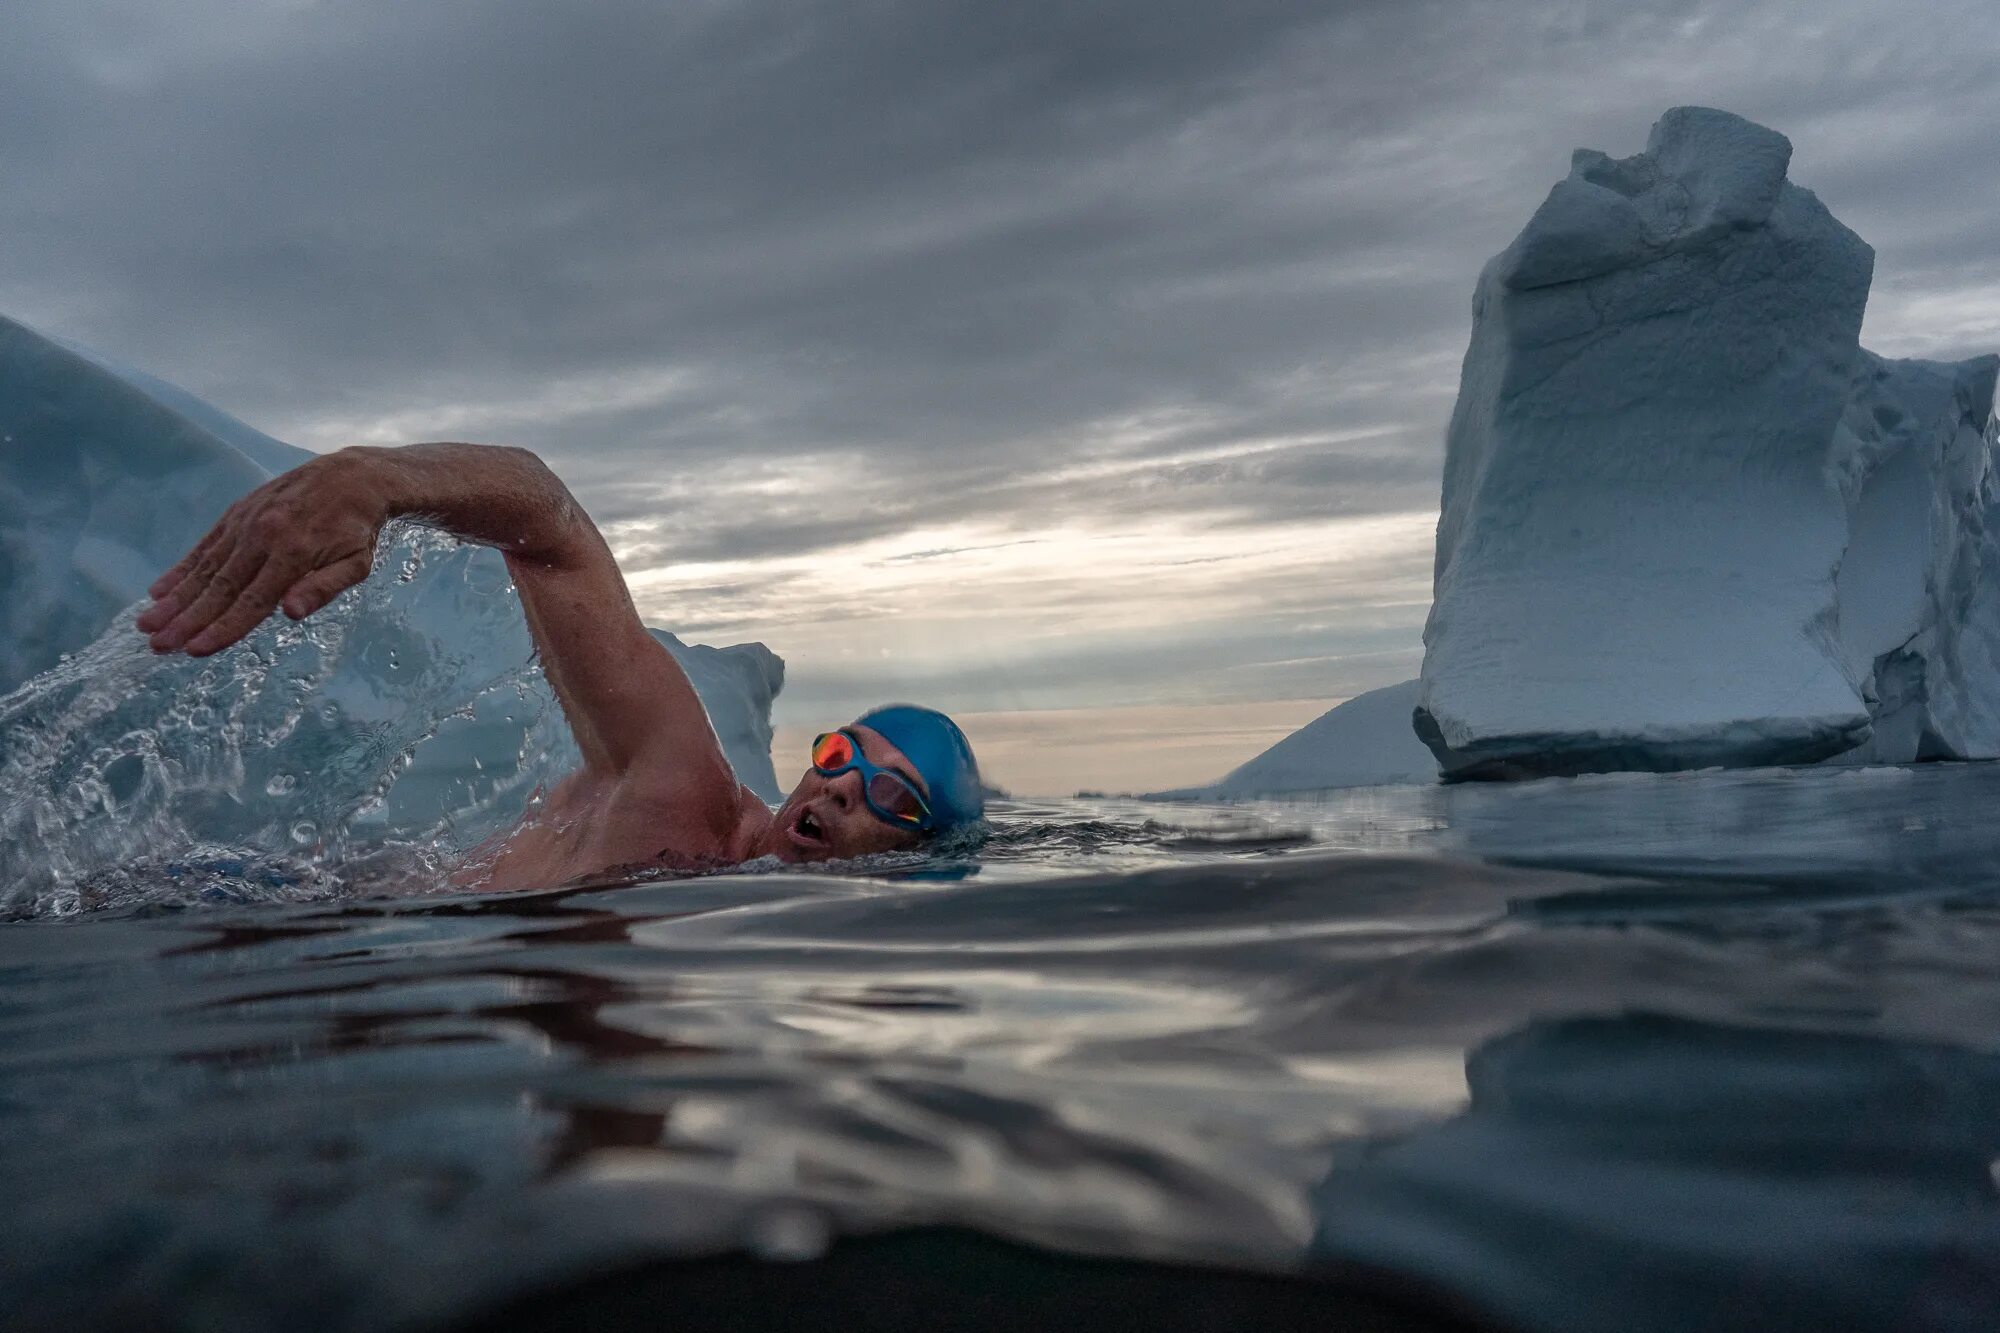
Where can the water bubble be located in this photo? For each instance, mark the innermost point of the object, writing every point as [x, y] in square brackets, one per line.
[304, 832]
[789, 1233]
[123, 776]
[282, 784]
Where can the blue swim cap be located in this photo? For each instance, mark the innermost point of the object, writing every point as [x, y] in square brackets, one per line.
[942, 755]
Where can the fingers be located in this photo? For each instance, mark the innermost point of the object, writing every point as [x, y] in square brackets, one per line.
[212, 594]
[267, 546]
[224, 526]
[155, 616]
[324, 584]
[173, 590]
[165, 583]
[166, 605]
[246, 612]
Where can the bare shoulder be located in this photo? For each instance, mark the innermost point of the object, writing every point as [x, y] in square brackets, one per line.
[683, 811]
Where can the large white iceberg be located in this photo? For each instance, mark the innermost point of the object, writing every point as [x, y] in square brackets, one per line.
[1687, 520]
[409, 707]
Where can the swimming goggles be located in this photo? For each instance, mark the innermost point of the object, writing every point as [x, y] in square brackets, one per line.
[889, 794]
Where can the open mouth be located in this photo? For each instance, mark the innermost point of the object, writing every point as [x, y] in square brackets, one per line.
[806, 831]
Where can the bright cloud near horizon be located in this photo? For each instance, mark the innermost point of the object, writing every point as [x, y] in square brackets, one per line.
[1019, 358]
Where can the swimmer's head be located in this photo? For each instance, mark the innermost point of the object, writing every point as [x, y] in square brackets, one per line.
[854, 799]
[942, 756]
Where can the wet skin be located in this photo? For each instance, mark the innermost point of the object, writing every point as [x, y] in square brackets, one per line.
[654, 787]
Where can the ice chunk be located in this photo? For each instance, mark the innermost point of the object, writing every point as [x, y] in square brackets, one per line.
[737, 685]
[1686, 519]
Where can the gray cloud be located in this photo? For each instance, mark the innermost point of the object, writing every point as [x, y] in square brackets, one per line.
[766, 278]
[1264, 665]
[1309, 479]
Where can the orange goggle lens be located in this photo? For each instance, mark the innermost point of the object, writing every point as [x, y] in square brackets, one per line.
[833, 750]
[888, 795]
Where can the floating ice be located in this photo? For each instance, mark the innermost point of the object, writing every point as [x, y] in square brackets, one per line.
[1687, 520]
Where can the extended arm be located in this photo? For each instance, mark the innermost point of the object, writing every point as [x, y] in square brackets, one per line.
[304, 536]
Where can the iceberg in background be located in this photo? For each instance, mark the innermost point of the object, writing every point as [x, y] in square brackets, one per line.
[1687, 520]
[104, 482]
[1365, 742]
[411, 708]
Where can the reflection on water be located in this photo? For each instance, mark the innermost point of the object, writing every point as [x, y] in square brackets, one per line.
[1280, 1039]
[1710, 1176]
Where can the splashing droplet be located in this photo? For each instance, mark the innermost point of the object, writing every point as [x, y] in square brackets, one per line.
[294, 749]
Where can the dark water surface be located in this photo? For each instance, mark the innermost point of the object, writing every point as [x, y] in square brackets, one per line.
[1709, 1050]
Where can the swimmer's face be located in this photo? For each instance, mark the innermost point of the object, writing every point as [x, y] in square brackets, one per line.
[827, 819]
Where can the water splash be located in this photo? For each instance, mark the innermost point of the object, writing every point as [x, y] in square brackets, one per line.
[409, 712]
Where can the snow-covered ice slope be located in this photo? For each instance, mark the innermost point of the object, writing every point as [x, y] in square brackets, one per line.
[1686, 520]
[1364, 742]
[108, 475]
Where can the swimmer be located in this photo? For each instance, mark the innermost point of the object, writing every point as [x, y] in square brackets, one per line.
[655, 787]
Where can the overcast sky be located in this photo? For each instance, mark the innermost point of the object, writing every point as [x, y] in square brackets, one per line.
[1006, 355]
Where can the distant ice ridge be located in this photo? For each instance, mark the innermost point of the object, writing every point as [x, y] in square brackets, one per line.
[1364, 742]
[410, 706]
[1687, 519]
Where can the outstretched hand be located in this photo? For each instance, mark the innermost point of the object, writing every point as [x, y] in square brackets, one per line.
[299, 541]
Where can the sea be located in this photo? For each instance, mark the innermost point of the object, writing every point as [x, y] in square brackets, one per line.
[1709, 1050]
